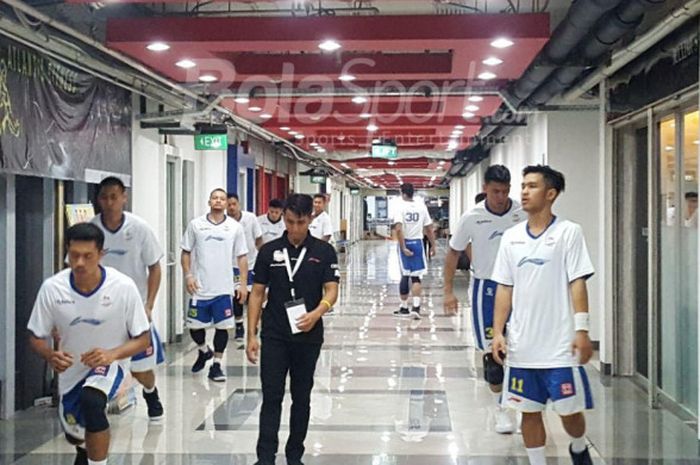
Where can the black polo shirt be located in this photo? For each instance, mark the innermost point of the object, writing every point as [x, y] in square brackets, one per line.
[319, 267]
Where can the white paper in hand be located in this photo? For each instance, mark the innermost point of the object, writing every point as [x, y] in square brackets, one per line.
[294, 311]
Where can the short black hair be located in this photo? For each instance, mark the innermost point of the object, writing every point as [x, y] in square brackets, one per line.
[320, 196]
[232, 195]
[691, 195]
[218, 189]
[85, 232]
[479, 197]
[299, 204]
[553, 179]
[497, 173]
[407, 189]
[275, 203]
[111, 181]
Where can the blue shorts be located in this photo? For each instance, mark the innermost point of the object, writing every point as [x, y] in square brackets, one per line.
[151, 357]
[414, 265]
[106, 379]
[237, 278]
[217, 312]
[483, 303]
[529, 389]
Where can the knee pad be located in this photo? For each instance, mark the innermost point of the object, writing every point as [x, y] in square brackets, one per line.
[73, 441]
[198, 336]
[237, 308]
[415, 279]
[220, 340]
[93, 405]
[493, 371]
[403, 286]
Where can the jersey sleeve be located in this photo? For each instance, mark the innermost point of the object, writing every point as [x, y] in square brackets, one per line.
[239, 243]
[257, 230]
[578, 261]
[188, 239]
[41, 320]
[462, 235]
[262, 265]
[503, 267]
[136, 319]
[151, 253]
[327, 226]
[331, 273]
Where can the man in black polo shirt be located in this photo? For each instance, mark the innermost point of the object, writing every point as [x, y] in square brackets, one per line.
[301, 276]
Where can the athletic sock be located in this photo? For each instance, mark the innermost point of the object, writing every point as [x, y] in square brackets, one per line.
[217, 359]
[578, 445]
[97, 462]
[496, 397]
[149, 391]
[204, 348]
[404, 303]
[536, 456]
[416, 301]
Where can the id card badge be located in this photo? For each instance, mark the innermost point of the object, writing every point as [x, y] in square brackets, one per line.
[295, 309]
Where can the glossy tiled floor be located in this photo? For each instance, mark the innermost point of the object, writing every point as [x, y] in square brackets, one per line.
[388, 392]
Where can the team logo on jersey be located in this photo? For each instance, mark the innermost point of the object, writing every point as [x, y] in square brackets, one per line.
[516, 218]
[278, 256]
[70, 419]
[64, 302]
[314, 260]
[106, 301]
[533, 261]
[489, 293]
[214, 238]
[127, 235]
[120, 252]
[102, 370]
[87, 321]
[567, 389]
[483, 221]
[550, 241]
[495, 235]
[228, 313]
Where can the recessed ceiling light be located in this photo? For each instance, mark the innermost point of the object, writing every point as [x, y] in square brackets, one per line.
[158, 47]
[457, 132]
[492, 61]
[392, 162]
[187, 64]
[347, 77]
[241, 100]
[254, 109]
[502, 42]
[376, 141]
[476, 98]
[329, 45]
[299, 136]
[315, 118]
[365, 115]
[359, 99]
[321, 150]
[372, 128]
[293, 133]
[208, 78]
[487, 75]
[669, 148]
[284, 128]
[471, 108]
[442, 162]
[459, 126]
[467, 115]
[433, 178]
[314, 144]
[265, 115]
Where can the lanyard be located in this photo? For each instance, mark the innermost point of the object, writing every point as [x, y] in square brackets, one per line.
[291, 273]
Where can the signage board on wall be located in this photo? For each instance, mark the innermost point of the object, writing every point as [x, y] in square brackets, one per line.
[210, 142]
[79, 213]
[316, 179]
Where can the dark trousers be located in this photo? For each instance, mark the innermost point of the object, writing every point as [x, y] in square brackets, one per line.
[276, 359]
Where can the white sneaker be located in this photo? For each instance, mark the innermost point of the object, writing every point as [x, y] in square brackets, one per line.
[504, 421]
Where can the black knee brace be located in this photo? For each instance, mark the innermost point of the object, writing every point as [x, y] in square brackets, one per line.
[220, 340]
[237, 308]
[198, 336]
[493, 371]
[403, 286]
[415, 279]
[93, 404]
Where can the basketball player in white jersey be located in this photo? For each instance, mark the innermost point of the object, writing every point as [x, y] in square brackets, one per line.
[132, 248]
[271, 223]
[216, 241]
[98, 315]
[482, 229]
[411, 222]
[541, 271]
[320, 226]
[253, 238]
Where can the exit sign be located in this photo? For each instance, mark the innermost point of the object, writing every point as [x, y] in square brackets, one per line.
[210, 142]
[316, 179]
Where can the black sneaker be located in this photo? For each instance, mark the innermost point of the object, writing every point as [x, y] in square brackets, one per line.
[202, 359]
[402, 313]
[294, 462]
[155, 408]
[582, 458]
[215, 373]
[415, 313]
[81, 456]
[240, 332]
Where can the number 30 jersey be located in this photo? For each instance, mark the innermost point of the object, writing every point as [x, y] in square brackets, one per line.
[413, 216]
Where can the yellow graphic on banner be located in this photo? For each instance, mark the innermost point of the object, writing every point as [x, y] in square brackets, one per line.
[8, 123]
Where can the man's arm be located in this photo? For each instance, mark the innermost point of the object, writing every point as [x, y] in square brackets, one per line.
[258, 242]
[100, 357]
[190, 281]
[243, 288]
[307, 321]
[59, 360]
[255, 302]
[154, 275]
[450, 303]
[402, 239]
[430, 232]
[469, 252]
[501, 312]
[582, 342]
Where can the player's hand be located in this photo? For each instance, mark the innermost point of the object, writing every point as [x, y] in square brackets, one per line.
[97, 357]
[498, 347]
[582, 347]
[60, 361]
[252, 348]
[407, 252]
[242, 294]
[192, 286]
[450, 304]
[307, 321]
[149, 311]
[432, 252]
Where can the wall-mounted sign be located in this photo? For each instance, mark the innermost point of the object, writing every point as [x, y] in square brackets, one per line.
[79, 213]
[210, 142]
[316, 179]
[384, 151]
[354, 191]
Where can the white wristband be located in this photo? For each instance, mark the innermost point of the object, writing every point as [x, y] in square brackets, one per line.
[581, 321]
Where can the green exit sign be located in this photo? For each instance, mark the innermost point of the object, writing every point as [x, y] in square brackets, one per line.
[315, 179]
[210, 142]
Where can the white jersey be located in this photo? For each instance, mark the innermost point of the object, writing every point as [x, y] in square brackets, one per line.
[215, 248]
[131, 249]
[540, 269]
[252, 232]
[270, 230]
[106, 318]
[321, 226]
[484, 229]
[413, 216]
